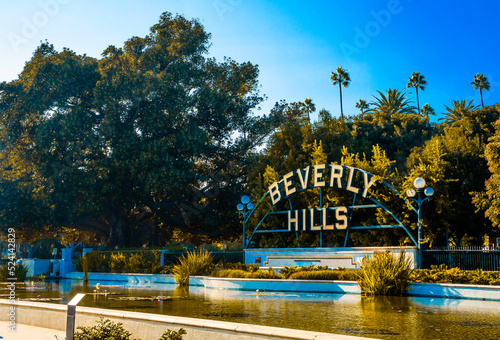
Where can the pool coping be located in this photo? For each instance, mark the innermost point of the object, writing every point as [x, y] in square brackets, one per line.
[151, 326]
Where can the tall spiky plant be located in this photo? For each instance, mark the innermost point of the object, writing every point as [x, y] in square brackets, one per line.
[193, 263]
[458, 110]
[342, 78]
[418, 82]
[394, 102]
[481, 83]
[385, 274]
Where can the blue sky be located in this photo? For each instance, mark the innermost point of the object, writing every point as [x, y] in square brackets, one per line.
[295, 44]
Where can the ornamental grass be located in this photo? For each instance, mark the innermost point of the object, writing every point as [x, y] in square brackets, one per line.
[193, 263]
[385, 274]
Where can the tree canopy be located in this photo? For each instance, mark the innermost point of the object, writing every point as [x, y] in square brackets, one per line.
[151, 137]
[155, 141]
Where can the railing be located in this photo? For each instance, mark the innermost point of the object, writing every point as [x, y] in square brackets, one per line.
[465, 258]
[172, 257]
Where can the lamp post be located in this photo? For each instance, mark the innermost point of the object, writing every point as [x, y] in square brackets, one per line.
[422, 196]
[245, 208]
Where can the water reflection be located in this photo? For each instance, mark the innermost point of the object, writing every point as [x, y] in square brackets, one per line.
[375, 317]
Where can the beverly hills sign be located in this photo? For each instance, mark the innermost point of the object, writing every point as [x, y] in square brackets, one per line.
[351, 179]
[325, 180]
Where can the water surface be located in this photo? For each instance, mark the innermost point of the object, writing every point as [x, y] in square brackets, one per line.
[380, 317]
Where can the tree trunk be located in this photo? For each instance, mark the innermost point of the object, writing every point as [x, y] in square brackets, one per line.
[116, 234]
[418, 104]
[341, 110]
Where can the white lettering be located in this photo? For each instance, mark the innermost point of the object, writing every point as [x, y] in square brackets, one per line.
[318, 175]
[289, 184]
[275, 193]
[341, 218]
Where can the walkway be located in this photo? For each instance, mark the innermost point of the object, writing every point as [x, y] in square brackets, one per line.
[25, 332]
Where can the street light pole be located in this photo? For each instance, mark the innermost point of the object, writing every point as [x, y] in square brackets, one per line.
[245, 208]
[423, 195]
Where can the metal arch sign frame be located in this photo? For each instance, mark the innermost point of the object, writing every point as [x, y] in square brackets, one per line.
[317, 174]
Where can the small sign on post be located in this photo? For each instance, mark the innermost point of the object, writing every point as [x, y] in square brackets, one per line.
[70, 321]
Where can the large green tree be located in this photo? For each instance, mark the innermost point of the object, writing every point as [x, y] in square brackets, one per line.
[151, 137]
[489, 201]
[453, 163]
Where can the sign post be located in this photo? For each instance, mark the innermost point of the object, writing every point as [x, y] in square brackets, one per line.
[70, 321]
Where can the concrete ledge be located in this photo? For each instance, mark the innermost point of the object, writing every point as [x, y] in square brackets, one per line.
[151, 326]
[123, 277]
[455, 291]
[302, 286]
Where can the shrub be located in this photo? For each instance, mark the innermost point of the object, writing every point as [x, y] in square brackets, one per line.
[384, 274]
[134, 263]
[192, 263]
[173, 335]
[152, 261]
[287, 271]
[237, 265]
[108, 330]
[97, 262]
[117, 262]
[333, 275]
[238, 273]
[230, 273]
[265, 274]
[20, 269]
[104, 330]
[441, 274]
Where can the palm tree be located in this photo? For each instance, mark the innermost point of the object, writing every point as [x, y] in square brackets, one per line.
[418, 82]
[458, 110]
[362, 105]
[481, 82]
[427, 110]
[309, 107]
[341, 77]
[394, 102]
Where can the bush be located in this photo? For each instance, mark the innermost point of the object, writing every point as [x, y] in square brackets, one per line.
[134, 263]
[330, 275]
[117, 262]
[96, 262]
[108, 330]
[104, 330]
[238, 273]
[20, 269]
[152, 261]
[287, 271]
[237, 265]
[383, 274]
[441, 274]
[173, 335]
[192, 263]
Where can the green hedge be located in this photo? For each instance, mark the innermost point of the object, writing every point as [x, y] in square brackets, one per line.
[238, 273]
[441, 274]
[147, 262]
[330, 275]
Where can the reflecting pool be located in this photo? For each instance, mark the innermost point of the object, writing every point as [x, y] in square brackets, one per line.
[380, 317]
